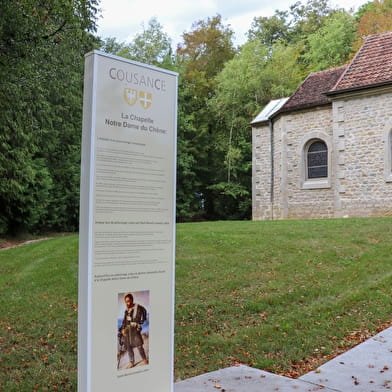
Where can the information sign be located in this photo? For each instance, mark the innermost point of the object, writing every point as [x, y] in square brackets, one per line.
[127, 227]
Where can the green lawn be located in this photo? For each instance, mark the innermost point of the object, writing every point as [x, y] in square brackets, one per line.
[278, 295]
[38, 321]
[281, 296]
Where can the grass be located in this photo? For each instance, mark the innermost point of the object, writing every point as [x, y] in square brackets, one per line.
[282, 296]
[38, 321]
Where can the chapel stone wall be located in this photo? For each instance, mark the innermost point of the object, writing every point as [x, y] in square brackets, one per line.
[261, 173]
[298, 200]
[289, 199]
[362, 136]
[267, 205]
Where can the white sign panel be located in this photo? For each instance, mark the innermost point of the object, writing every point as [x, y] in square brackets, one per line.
[127, 227]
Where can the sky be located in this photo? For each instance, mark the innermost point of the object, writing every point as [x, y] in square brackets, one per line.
[124, 19]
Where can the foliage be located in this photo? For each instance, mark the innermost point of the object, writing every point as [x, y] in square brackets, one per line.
[284, 69]
[241, 84]
[374, 17]
[112, 46]
[252, 78]
[231, 200]
[307, 18]
[269, 30]
[247, 82]
[41, 71]
[151, 46]
[206, 48]
[290, 26]
[200, 58]
[189, 201]
[270, 65]
[331, 45]
[370, 5]
[221, 88]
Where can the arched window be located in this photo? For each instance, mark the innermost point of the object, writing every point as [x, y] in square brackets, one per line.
[317, 160]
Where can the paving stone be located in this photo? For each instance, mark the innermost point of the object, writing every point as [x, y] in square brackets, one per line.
[245, 379]
[365, 368]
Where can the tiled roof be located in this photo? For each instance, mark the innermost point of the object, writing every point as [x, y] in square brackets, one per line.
[372, 65]
[312, 90]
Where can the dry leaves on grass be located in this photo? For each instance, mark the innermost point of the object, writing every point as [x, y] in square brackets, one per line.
[310, 364]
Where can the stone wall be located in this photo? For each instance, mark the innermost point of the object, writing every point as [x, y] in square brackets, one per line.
[267, 200]
[289, 199]
[362, 130]
[261, 173]
[303, 198]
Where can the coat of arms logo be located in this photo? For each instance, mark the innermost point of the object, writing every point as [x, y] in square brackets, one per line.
[130, 96]
[145, 99]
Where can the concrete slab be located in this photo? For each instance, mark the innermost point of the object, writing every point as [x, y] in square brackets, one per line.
[365, 368]
[245, 379]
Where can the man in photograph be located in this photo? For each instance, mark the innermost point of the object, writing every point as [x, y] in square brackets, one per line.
[134, 317]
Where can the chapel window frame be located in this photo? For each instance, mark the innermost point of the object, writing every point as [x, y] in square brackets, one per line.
[320, 182]
[316, 160]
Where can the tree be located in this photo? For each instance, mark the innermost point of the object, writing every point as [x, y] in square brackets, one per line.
[151, 46]
[292, 26]
[374, 17]
[330, 46]
[41, 72]
[201, 57]
[307, 19]
[269, 30]
[205, 50]
[247, 83]
[241, 86]
[112, 46]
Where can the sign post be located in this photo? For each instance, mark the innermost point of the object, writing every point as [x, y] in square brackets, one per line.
[127, 227]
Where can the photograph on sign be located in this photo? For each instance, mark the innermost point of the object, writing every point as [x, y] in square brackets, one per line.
[133, 330]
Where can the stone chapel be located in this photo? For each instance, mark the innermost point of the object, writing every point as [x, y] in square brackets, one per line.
[326, 151]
